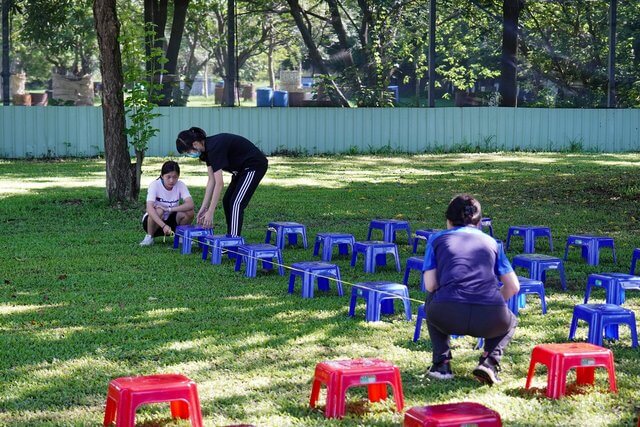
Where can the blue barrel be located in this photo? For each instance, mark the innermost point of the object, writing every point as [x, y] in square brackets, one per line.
[280, 98]
[264, 96]
[396, 92]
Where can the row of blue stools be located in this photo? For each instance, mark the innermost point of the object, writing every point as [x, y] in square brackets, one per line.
[379, 296]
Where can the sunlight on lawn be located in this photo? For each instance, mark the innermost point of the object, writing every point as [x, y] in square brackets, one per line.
[13, 309]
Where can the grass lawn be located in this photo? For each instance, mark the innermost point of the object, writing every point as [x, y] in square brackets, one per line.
[81, 303]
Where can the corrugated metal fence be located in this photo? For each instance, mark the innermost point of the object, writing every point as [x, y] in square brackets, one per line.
[77, 131]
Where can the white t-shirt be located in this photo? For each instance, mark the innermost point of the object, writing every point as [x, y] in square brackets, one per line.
[158, 194]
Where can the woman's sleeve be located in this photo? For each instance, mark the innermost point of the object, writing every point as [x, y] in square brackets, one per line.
[429, 256]
[503, 266]
[184, 191]
[151, 193]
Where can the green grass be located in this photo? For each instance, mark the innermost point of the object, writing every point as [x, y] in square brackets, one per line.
[81, 303]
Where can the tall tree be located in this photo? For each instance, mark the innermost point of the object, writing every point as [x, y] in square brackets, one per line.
[121, 183]
[156, 14]
[6, 74]
[509, 60]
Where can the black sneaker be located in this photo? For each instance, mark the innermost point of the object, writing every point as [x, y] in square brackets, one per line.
[441, 371]
[487, 372]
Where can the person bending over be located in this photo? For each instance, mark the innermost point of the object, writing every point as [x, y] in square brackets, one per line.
[462, 266]
[230, 153]
[164, 211]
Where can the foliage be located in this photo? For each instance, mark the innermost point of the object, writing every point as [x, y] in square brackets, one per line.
[82, 303]
[140, 87]
[63, 31]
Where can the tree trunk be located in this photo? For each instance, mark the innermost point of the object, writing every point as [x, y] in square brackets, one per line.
[172, 81]
[509, 61]
[229, 99]
[121, 180]
[314, 54]
[6, 74]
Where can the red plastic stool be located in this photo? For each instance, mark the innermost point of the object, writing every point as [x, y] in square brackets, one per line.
[559, 358]
[127, 393]
[339, 375]
[452, 414]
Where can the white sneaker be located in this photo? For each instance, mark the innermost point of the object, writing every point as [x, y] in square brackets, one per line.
[147, 241]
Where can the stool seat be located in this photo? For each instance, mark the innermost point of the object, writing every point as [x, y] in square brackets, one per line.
[379, 298]
[414, 263]
[529, 233]
[452, 415]
[251, 253]
[288, 230]
[125, 394]
[389, 228]
[216, 243]
[375, 254]
[309, 272]
[598, 316]
[423, 236]
[187, 234]
[328, 240]
[560, 358]
[340, 375]
[538, 264]
[590, 246]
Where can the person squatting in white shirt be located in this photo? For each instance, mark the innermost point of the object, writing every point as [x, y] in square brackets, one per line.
[164, 211]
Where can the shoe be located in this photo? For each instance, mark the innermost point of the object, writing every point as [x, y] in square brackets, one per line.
[147, 241]
[487, 372]
[441, 371]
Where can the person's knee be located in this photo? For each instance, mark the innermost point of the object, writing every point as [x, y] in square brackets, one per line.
[183, 218]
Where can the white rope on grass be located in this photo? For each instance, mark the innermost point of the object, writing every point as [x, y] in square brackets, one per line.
[195, 239]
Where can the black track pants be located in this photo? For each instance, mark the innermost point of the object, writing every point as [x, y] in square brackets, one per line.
[495, 323]
[236, 198]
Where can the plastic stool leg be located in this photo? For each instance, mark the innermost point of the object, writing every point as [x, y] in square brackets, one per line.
[354, 257]
[315, 392]
[405, 280]
[574, 325]
[585, 375]
[563, 279]
[634, 333]
[369, 233]
[339, 283]
[532, 370]
[292, 281]
[419, 319]
[397, 258]
[307, 285]
[109, 412]
[179, 409]
[316, 245]
[353, 301]
[377, 392]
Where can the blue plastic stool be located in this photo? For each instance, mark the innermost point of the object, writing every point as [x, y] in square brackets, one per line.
[599, 316]
[529, 287]
[614, 284]
[217, 243]
[375, 253]
[389, 228]
[309, 271]
[379, 298]
[538, 265]
[529, 233]
[187, 234]
[590, 246]
[414, 263]
[288, 229]
[422, 316]
[634, 259]
[251, 253]
[328, 240]
[423, 235]
[487, 223]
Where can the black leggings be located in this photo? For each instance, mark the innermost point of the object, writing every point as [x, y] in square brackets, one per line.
[236, 198]
[495, 323]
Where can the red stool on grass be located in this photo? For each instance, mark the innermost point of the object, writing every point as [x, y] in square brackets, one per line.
[339, 375]
[127, 393]
[560, 358]
[452, 414]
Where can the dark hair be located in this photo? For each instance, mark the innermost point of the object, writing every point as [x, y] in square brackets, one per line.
[170, 166]
[186, 138]
[464, 209]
